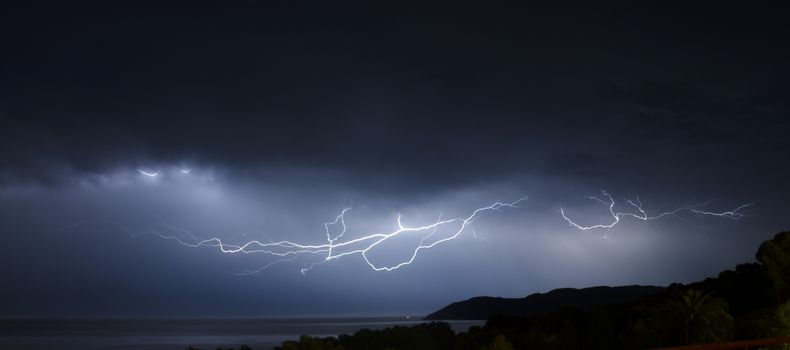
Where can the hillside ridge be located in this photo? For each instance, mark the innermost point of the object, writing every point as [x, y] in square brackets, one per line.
[483, 307]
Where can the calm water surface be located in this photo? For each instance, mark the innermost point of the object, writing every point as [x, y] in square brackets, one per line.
[177, 334]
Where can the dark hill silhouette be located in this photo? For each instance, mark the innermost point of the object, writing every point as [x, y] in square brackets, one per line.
[750, 303]
[482, 308]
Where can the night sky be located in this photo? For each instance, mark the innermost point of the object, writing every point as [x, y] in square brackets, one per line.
[264, 120]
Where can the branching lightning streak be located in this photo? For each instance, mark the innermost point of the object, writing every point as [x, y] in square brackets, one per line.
[732, 214]
[264, 267]
[636, 204]
[334, 248]
[336, 230]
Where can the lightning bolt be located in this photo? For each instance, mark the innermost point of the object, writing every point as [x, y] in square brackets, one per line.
[335, 247]
[640, 214]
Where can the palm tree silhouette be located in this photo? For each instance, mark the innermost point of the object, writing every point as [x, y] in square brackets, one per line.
[698, 317]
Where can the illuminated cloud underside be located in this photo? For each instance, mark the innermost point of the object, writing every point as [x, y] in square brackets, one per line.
[335, 249]
[430, 235]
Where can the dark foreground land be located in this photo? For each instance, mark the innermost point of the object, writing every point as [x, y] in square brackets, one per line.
[177, 333]
[749, 302]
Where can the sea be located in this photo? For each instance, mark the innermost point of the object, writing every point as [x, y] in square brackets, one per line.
[178, 334]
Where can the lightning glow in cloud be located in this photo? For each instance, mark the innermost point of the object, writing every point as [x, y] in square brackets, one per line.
[335, 248]
[149, 173]
[430, 235]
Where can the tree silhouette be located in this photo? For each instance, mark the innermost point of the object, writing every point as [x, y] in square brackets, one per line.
[698, 317]
[781, 323]
[774, 255]
[312, 343]
[500, 343]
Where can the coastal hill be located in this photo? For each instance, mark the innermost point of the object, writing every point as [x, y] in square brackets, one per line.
[750, 302]
[482, 308]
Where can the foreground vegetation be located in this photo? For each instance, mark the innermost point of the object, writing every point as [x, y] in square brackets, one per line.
[748, 302]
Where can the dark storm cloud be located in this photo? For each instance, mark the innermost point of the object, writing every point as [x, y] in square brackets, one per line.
[286, 112]
[435, 94]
